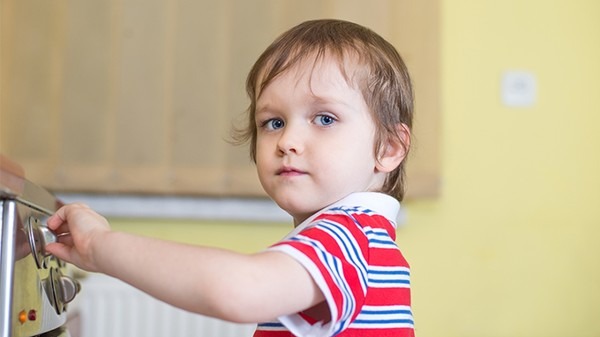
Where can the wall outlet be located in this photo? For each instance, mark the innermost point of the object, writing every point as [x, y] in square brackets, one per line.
[518, 89]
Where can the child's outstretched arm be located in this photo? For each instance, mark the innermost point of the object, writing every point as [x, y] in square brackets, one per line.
[214, 282]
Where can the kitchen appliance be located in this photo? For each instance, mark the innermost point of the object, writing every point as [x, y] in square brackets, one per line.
[34, 287]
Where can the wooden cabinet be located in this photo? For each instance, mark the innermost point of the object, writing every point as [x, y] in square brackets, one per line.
[139, 96]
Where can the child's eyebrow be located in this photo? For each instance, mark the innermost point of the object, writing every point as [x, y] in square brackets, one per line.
[324, 100]
[263, 108]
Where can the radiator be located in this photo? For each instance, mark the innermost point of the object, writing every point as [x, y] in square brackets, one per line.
[109, 307]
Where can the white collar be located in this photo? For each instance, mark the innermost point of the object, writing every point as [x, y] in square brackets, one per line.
[378, 202]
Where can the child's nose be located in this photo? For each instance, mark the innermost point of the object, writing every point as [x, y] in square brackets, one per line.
[290, 141]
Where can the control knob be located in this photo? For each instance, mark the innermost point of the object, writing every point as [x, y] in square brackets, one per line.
[64, 289]
[39, 237]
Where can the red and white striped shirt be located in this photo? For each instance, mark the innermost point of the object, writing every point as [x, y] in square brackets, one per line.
[350, 251]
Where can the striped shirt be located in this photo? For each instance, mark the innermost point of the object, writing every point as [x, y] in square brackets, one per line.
[350, 251]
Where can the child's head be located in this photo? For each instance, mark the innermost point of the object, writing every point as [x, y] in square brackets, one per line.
[368, 63]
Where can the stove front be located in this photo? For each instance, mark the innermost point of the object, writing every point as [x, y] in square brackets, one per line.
[34, 288]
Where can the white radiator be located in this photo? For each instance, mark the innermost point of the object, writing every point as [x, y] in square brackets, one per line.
[109, 307]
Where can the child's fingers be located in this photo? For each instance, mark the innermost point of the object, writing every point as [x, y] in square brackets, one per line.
[57, 219]
[60, 250]
[64, 214]
[65, 238]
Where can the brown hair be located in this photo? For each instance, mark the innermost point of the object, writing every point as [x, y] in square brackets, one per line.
[382, 79]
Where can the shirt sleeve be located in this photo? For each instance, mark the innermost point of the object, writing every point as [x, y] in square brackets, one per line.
[334, 250]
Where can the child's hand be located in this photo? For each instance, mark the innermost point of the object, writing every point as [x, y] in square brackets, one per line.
[86, 228]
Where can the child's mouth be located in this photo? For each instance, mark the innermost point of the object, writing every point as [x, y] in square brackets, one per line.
[289, 172]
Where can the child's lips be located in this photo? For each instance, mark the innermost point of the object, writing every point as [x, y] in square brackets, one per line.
[289, 172]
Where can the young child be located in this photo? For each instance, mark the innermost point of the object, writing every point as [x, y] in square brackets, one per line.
[329, 120]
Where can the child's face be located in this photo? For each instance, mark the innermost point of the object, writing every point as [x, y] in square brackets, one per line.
[315, 139]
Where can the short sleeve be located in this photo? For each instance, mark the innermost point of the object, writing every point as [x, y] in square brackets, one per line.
[334, 250]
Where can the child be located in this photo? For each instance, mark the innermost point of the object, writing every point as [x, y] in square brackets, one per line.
[329, 121]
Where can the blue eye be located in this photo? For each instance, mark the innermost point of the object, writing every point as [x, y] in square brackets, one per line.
[273, 124]
[324, 120]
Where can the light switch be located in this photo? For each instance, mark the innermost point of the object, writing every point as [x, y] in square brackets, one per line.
[519, 89]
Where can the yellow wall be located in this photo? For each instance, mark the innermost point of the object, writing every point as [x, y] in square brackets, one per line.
[511, 246]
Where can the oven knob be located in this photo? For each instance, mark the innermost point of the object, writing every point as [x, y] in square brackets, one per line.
[47, 237]
[36, 241]
[39, 237]
[68, 288]
[64, 289]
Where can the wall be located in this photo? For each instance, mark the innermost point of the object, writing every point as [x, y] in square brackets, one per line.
[510, 247]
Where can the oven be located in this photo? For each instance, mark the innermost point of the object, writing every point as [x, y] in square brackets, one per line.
[35, 288]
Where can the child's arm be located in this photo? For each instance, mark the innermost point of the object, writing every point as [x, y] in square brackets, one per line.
[209, 281]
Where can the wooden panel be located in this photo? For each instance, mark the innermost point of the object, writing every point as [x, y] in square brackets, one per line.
[199, 96]
[141, 125]
[139, 96]
[415, 32]
[31, 62]
[85, 150]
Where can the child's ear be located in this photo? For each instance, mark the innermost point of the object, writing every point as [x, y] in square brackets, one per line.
[394, 150]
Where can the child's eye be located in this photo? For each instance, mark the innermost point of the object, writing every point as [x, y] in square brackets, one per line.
[324, 120]
[273, 124]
